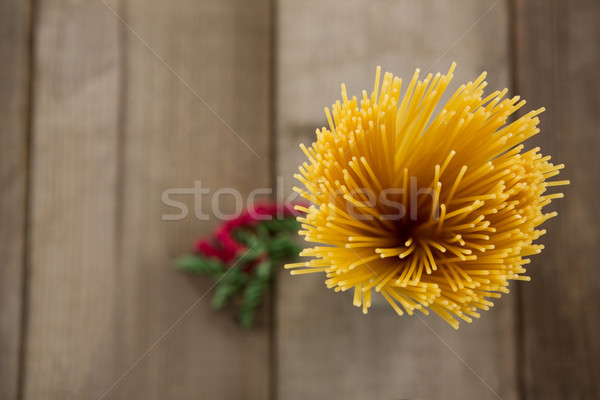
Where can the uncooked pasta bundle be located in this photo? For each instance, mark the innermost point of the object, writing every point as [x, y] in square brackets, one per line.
[433, 207]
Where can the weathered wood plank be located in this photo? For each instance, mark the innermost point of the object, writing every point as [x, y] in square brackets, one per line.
[557, 61]
[326, 348]
[73, 264]
[14, 104]
[220, 51]
[114, 128]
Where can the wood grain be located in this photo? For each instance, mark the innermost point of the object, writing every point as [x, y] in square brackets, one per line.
[14, 104]
[326, 348]
[132, 98]
[73, 263]
[220, 50]
[115, 126]
[557, 63]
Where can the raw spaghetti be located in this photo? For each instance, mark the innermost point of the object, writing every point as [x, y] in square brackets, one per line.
[433, 210]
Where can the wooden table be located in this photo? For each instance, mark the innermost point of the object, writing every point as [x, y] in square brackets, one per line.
[105, 104]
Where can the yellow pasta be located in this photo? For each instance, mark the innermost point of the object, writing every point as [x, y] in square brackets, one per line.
[434, 208]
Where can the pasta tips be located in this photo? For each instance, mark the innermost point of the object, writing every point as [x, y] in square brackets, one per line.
[432, 207]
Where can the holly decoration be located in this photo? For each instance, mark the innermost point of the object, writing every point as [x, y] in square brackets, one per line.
[244, 254]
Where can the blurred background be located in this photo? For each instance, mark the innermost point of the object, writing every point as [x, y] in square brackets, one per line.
[105, 104]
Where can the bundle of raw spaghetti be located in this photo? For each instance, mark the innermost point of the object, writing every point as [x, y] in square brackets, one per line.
[431, 210]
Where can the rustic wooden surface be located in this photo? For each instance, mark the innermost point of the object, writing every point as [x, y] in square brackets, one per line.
[73, 265]
[322, 338]
[116, 124]
[14, 126]
[171, 139]
[124, 99]
[557, 67]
